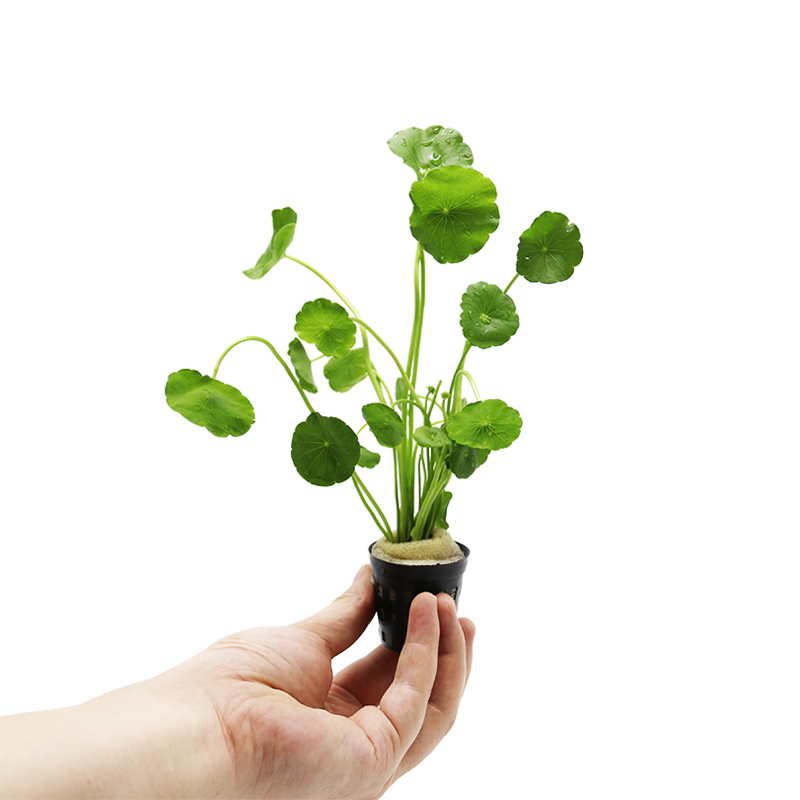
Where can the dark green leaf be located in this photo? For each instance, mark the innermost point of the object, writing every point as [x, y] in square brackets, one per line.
[549, 250]
[465, 460]
[454, 212]
[325, 450]
[431, 148]
[216, 406]
[385, 423]
[368, 459]
[302, 365]
[489, 316]
[487, 424]
[430, 437]
[344, 373]
[327, 325]
[283, 224]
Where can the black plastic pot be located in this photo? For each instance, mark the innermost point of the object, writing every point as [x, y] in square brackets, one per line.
[396, 585]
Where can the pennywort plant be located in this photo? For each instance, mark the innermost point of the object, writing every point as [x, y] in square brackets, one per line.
[431, 434]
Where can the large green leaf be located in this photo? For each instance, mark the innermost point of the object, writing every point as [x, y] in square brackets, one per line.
[344, 373]
[385, 423]
[219, 408]
[549, 250]
[431, 148]
[327, 325]
[486, 424]
[283, 225]
[302, 365]
[454, 212]
[325, 450]
[463, 460]
[488, 316]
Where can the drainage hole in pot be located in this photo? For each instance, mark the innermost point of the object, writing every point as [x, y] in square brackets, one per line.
[454, 593]
[379, 590]
[407, 598]
[392, 595]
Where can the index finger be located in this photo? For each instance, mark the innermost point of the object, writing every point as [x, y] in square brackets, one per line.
[403, 705]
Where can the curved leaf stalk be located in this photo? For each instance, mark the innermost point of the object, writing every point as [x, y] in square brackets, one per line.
[275, 353]
[505, 291]
[374, 378]
[362, 490]
[454, 401]
[404, 374]
[465, 374]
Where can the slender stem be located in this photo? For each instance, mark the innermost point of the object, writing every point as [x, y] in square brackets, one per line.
[454, 402]
[386, 529]
[512, 283]
[275, 353]
[471, 382]
[416, 398]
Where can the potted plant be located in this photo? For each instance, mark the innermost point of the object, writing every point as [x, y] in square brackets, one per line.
[432, 435]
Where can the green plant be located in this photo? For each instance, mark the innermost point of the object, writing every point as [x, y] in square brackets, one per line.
[432, 435]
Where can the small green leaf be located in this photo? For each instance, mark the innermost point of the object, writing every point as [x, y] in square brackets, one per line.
[463, 460]
[549, 250]
[283, 225]
[302, 365]
[431, 148]
[344, 373]
[454, 212]
[325, 450]
[327, 325]
[427, 436]
[489, 316]
[384, 422]
[368, 459]
[487, 424]
[441, 516]
[216, 406]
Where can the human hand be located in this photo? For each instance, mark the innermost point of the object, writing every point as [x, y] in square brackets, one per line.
[258, 714]
[295, 731]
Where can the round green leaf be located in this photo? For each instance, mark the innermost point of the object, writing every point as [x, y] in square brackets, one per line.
[454, 212]
[368, 459]
[325, 450]
[283, 225]
[431, 148]
[302, 365]
[344, 373]
[216, 406]
[487, 425]
[489, 316]
[427, 436]
[327, 325]
[549, 250]
[385, 423]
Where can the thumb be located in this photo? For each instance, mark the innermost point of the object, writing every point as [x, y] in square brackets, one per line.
[340, 624]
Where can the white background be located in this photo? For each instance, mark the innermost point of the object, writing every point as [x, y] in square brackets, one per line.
[634, 576]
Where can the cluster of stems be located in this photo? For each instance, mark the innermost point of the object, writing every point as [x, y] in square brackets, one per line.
[421, 474]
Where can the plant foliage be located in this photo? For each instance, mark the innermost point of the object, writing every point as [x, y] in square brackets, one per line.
[433, 434]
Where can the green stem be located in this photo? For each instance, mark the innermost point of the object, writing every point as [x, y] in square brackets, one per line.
[512, 283]
[275, 353]
[416, 398]
[464, 373]
[362, 490]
